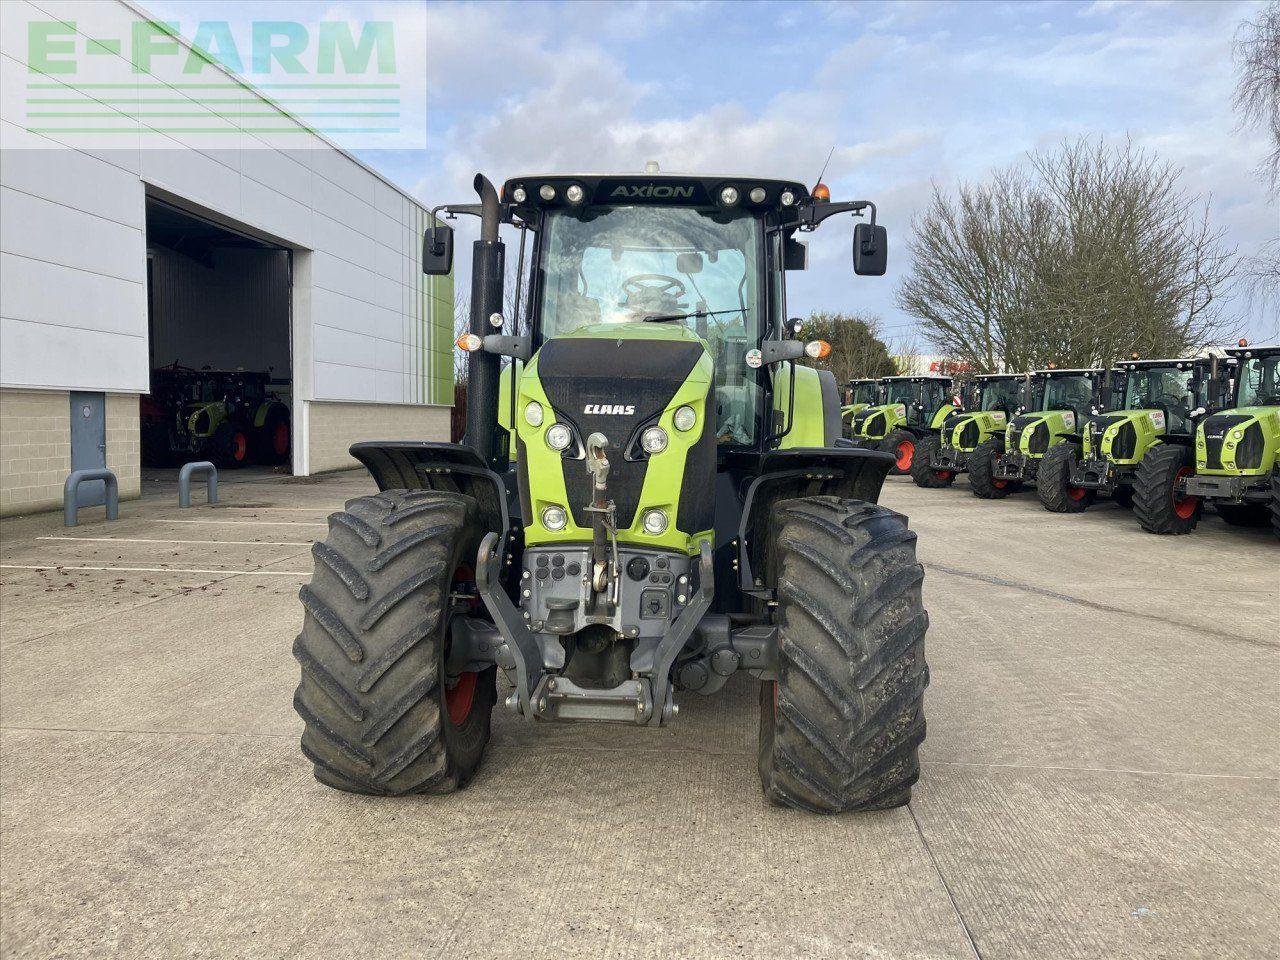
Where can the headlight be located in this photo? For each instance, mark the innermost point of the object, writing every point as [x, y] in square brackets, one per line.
[533, 413]
[574, 194]
[757, 195]
[559, 436]
[787, 199]
[554, 518]
[729, 196]
[518, 195]
[654, 440]
[547, 192]
[655, 522]
[1237, 434]
[684, 418]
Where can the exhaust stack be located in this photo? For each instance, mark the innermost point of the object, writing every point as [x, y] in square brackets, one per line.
[483, 368]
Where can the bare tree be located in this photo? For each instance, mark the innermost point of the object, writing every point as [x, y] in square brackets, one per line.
[1257, 98]
[1080, 255]
[1257, 95]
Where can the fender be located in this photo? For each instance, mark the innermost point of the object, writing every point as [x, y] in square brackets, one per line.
[804, 472]
[428, 465]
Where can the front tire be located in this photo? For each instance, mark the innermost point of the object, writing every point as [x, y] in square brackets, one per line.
[840, 727]
[229, 446]
[1275, 502]
[380, 716]
[902, 444]
[1156, 504]
[1053, 481]
[922, 471]
[982, 479]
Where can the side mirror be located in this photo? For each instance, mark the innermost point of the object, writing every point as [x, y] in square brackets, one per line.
[437, 251]
[795, 255]
[689, 262]
[870, 250]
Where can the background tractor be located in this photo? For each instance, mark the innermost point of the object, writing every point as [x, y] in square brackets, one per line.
[989, 403]
[910, 409]
[1234, 461]
[681, 507]
[1055, 405]
[231, 417]
[1162, 402]
[859, 395]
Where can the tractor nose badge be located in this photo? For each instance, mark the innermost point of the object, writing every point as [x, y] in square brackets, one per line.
[604, 536]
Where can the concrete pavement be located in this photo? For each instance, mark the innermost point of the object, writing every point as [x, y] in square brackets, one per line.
[1100, 778]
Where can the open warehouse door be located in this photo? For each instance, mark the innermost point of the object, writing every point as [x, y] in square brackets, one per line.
[220, 353]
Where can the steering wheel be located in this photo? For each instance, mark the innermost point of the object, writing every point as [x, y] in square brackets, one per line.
[653, 284]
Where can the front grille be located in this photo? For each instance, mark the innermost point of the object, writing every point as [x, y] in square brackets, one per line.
[1215, 434]
[1249, 449]
[969, 435]
[581, 374]
[1039, 441]
[1124, 442]
[872, 425]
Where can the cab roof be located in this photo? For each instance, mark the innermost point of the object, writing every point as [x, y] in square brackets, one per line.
[1267, 350]
[1058, 372]
[919, 377]
[1168, 362]
[665, 189]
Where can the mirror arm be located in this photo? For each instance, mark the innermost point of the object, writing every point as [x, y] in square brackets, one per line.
[815, 213]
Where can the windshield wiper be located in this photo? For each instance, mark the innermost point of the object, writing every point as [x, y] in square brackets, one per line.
[661, 318]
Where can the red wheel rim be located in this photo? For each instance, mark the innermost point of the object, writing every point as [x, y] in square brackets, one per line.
[280, 439]
[459, 697]
[906, 453]
[1184, 507]
[239, 447]
[1076, 493]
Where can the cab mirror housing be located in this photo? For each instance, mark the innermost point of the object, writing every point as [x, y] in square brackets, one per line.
[437, 251]
[795, 255]
[870, 250]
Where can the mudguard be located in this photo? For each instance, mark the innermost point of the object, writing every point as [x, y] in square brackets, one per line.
[805, 472]
[428, 465]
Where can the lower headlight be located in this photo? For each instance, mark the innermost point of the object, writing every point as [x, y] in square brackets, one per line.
[654, 440]
[684, 418]
[559, 436]
[655, 522]
[554, 518]
[533, 413]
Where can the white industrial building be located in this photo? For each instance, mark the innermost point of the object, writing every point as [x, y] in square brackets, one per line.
[291, 258]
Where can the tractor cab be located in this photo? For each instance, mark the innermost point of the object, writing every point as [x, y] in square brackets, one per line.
[859, 395]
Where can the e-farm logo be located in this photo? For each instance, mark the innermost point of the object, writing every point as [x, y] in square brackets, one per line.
[341, 78]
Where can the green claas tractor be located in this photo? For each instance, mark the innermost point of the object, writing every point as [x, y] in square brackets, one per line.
[1054, 406]
[859, 395]
[911, 409]
[1234, 463]
[990, 401]
[1162, 402]
[681, 508]
[232, 417]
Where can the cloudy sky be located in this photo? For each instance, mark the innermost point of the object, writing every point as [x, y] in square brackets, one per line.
[909, 93]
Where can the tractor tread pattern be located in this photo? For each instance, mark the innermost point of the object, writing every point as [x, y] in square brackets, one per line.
[841, 727]
[981, 481]
[1153, 490]
[922, 472]
[1275, 501]
[1053, 478]
[371, 645]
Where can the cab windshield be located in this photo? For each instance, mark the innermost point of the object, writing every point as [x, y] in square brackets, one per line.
[863, 393]
[933, 394]
[1260, 382]
[1154, 388]
[1001, 395]
[1074, 393]
[618, 265]
[900, 391]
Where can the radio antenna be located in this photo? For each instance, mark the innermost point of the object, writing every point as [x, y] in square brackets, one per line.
[830, 154]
